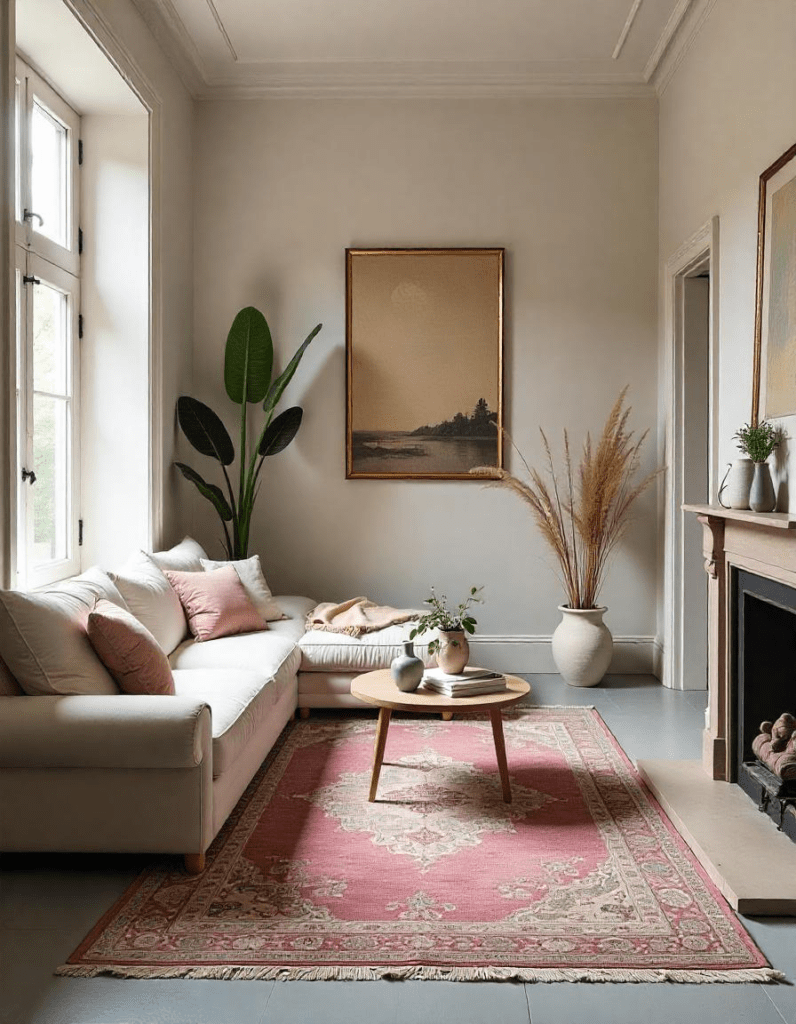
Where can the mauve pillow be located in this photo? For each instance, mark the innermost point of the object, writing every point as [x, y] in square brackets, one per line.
[216, 603]
[128, 650]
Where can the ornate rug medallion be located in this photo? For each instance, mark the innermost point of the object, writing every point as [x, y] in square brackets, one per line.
[581, 877]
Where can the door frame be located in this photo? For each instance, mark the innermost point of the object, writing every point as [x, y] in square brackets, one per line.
[695, 256]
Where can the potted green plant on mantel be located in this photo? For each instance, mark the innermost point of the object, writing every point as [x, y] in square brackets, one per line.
[757, 443]
[248, 364]
[582, 514]
[450, 646]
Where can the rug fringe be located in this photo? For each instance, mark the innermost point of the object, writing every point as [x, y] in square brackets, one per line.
[763, 975]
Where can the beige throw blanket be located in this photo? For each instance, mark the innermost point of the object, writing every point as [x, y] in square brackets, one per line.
[357, 616]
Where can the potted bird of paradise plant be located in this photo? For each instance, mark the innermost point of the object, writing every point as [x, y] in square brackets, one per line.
[248, 367]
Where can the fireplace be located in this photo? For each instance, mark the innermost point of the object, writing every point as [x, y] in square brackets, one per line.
[763, 682]
[750, 559]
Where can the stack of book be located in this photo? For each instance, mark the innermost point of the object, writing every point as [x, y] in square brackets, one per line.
[469, 683]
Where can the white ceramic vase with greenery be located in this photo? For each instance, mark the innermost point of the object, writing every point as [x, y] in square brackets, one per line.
[450, 646]
[582, 513]
[757, 442]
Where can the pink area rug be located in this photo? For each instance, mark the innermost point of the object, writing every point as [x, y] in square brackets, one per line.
[580, 878]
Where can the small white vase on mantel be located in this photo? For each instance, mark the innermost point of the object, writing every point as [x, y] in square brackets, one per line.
[761, 496]
[582, 645]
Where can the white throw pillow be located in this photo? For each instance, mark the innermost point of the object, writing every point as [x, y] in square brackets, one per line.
[43, 637]
[251, 576]
[152, 600]
[183, 557]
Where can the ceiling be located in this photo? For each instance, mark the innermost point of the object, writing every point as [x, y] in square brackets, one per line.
[421, 47]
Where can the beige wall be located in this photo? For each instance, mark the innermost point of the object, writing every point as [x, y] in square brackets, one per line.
[175, 231]
[568, 187]
[729, 112]
[114, 394]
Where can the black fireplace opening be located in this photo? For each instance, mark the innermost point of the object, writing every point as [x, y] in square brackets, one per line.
[764, 685]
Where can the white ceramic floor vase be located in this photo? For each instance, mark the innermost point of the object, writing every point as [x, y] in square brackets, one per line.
[762, 497]
[582, 645]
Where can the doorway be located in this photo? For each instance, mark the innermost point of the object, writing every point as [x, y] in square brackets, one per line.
[691, 336]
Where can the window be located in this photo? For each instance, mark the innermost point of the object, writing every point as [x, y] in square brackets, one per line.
[47, 350]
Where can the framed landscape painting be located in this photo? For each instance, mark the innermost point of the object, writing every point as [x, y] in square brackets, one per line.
[774, 382]
[424, 348]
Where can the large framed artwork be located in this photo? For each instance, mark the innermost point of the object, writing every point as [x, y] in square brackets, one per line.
[774, 378]
[424, 347]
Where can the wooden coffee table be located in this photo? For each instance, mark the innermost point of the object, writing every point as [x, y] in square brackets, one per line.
[378, 688]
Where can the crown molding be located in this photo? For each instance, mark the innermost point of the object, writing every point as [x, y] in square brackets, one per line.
[170, 33]
[408, 79]
[682, 37]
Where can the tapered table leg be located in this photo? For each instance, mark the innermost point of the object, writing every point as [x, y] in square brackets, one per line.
[500, 750]
[378, 753]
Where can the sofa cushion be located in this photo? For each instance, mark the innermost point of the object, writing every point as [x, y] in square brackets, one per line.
[239, 700]
[128, 650]
[339, 652]
[251, 576]
[152, 600]
[215, 603]
[183, 557]
[257, 652]
[43, 637]
[295, 610]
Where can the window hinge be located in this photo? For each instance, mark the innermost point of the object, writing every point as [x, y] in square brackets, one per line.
[80, 151]
[80, 325]
[30, 279]
[79, 241]
[80, 533]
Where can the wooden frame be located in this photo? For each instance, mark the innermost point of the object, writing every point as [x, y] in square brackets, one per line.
[773, 385]
[424, 362]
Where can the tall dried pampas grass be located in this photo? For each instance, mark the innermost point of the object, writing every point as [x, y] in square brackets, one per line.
[583, 511]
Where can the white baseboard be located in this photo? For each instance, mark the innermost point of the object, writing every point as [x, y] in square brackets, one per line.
[633, 655]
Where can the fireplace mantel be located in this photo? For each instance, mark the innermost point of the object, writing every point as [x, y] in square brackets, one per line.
[763, 543]
[729, 836]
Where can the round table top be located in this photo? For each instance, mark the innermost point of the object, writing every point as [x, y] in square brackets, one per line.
[379, 688]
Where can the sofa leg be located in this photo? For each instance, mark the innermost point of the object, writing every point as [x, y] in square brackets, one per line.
[447, 716]
[304, 712]
[194, 863]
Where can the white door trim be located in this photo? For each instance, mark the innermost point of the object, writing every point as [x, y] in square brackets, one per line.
[701, 250]
[114, 49]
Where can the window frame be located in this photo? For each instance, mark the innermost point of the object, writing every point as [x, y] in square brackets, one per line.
[34, 86]
[39, 257]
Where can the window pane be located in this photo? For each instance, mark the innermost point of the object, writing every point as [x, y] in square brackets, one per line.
[49, 177]
[50, 340]
[50, 493]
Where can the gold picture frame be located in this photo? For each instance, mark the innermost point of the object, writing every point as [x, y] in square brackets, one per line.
[774, 367]
[424, 362]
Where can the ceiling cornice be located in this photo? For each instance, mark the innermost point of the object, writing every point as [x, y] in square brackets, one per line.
[410, 79]
[397, 79]
[689, 26]
[170, 33]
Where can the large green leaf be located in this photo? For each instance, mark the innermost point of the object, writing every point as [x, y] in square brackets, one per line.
[284, 378]
[212, 492]
[281, 431]
[249, 357]
[205, 430]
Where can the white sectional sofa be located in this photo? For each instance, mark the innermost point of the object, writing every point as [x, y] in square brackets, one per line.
[149, 773]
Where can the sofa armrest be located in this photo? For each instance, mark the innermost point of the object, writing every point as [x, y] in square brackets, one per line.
[122, 731]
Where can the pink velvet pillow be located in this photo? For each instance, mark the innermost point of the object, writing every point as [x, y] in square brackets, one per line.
[128, 650]
[215, 603]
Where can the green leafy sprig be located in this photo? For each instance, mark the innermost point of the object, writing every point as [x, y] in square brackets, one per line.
[758, 442]
[446, 619]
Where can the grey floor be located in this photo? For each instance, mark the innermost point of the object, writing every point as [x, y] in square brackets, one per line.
[47, 904]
